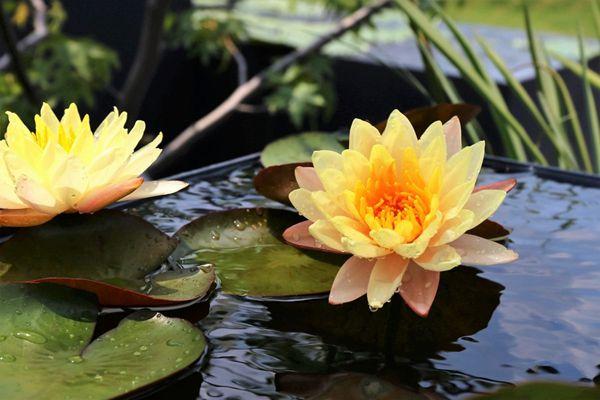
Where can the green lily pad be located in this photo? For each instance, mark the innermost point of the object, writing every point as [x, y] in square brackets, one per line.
[250, 257]
[109, 253]
[45, 349]
[298, 148]
[544, 391]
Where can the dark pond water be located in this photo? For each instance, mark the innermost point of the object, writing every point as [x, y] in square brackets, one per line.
[535, 319]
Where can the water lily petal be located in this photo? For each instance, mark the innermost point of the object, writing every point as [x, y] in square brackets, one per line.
[452, 202]
[452, 131]
[418, 246]
[433, 132]
[326, 159]
[479, 251]
[38, 197]
[483, 204]
[385, 279]
[155, 188]
[334, 181]
[418, 288]
[387, 238]
[440, 258]
[351, 229]
[298, 235]
[356, 167]
[100, 198]
[453, 228]
[507, 185]
[327, 235]
[364, 249]
[23, 218]
[302, 201]
[463, 166]
[398, 134]
[351, 281]
[363, 136]
[307, 178]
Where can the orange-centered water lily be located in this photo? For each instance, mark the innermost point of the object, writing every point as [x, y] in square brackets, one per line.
[401, 206]
[65, 167]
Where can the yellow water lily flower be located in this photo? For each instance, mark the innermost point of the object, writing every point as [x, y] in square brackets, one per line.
[400, 206]
[65, 167]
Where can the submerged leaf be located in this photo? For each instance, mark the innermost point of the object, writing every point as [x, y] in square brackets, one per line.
[45, 349]
[109, 253]
[250, 257]
[298, 148]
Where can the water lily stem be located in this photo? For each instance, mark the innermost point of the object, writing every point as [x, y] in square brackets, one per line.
[210, 121]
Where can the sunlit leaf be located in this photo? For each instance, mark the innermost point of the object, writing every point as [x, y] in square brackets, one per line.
[298, 148]
[109, 253]
[45, 349]
[250, 258]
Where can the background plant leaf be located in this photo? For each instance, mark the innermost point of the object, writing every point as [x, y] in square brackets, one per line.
[298, 148]
[109, 253]
[45, 351]
[250, 257]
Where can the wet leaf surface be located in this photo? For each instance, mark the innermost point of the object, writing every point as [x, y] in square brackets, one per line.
[463, 306]
[109, 253]
[298, 148]
[250, 257]
[45, 349]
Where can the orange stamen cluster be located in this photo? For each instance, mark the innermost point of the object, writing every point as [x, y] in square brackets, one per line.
[395, 199]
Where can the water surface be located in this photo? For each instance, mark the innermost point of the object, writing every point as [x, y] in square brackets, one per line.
[535, 319]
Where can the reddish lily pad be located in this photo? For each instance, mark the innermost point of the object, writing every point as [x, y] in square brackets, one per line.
[276, 182]
[250, 256]
[422, 117]
[46, 349]
[109, 253]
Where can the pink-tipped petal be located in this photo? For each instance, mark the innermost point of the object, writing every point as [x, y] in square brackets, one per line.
[154, 189]
[418, 288]
[452, 131]
[351, 281]
[475, 250]
[23, 218]
[507, 185]
[307, 178]
[107, 195]
[385, 278]
[299, 236]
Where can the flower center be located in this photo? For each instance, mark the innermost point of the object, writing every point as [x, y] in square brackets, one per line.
[395, 199]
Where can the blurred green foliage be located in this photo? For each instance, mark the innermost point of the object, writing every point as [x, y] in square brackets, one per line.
[61, 69]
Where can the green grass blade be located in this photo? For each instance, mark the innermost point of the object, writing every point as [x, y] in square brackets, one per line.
[572, 118]
[471, 76]
[590, 103]
[544, 80]
[578, 69]
[563, 149]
